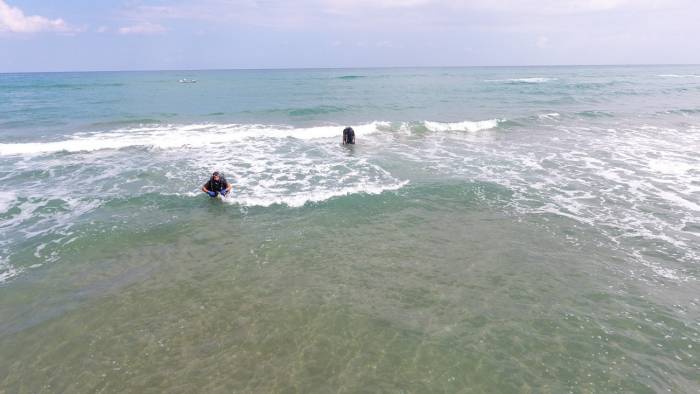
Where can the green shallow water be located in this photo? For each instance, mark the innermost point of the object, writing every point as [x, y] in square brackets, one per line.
[369, 293]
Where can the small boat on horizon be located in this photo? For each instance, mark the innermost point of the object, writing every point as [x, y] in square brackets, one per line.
[185, 80]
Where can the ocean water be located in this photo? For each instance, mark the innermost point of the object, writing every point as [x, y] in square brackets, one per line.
[532, 229]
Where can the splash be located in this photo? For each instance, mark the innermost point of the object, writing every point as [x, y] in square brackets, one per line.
[464, 126]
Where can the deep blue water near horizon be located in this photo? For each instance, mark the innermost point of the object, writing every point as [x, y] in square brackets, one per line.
[498, 229]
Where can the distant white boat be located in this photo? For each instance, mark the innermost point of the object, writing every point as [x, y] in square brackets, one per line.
[185, 80]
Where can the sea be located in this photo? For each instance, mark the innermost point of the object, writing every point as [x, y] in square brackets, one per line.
[495, 229]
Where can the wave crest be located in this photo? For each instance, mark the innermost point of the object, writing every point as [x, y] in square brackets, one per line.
[301, 199]
[464, 126]
[679, 76]
[207, 135]
[177, 136]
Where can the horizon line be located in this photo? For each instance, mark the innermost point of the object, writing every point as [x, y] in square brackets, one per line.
[345, 68]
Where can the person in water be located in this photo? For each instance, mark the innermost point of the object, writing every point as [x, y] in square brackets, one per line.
[348, 136]
[217, 184]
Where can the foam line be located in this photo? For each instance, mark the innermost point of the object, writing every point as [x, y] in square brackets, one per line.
[6, 200]
[7, 271]
[172, 137]
[301, 199]
[463, 126]
[679, 76]
[204, 135]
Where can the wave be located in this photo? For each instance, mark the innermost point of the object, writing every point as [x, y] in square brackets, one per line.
[523, 80]
[314, 196]
[178, 136]
[463, 126]
[351, 77]
[681, 111]
[6, 199]
[678, 76]
[7, 271]
[552, 115]
[204, 135]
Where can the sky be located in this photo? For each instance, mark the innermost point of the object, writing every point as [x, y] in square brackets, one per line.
[87, 35]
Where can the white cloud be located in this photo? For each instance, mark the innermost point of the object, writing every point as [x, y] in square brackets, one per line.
[13, 20]
[142, 28]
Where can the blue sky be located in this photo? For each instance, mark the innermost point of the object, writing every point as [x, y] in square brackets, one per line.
[38, 35]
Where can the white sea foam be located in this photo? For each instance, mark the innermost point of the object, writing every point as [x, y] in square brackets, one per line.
[7, 271]
[298, 172]
[179, 136]
[671, 167]
[295, 200]
[679, 200]
[319, 195]
[679, 76]
[6, 200]
[267, 165]
[634, 186]
[602, 178]
[46, 213]
[552, 115]
[208, 135]
[463, 126]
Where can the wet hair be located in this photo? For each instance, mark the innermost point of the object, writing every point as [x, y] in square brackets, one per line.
[348, 135]
[216, 173]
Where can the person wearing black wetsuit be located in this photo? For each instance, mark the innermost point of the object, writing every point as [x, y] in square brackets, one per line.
[217, 184]
[348, 136]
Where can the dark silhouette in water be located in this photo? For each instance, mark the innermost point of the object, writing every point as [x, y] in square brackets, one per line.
[217, 184]
[348, 136]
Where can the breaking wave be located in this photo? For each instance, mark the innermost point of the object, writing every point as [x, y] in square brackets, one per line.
[464, 126]
[679, 76]
[178, 136]
[208, 135]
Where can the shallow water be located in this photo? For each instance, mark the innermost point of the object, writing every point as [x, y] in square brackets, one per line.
[495, 229]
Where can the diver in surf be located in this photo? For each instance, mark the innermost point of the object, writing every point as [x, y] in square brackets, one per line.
[217, 184]
[348, 136]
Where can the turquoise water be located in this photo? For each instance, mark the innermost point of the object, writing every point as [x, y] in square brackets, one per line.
[531, 229]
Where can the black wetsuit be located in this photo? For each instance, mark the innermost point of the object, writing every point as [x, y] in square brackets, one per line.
[348, 136]
[217, 186]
